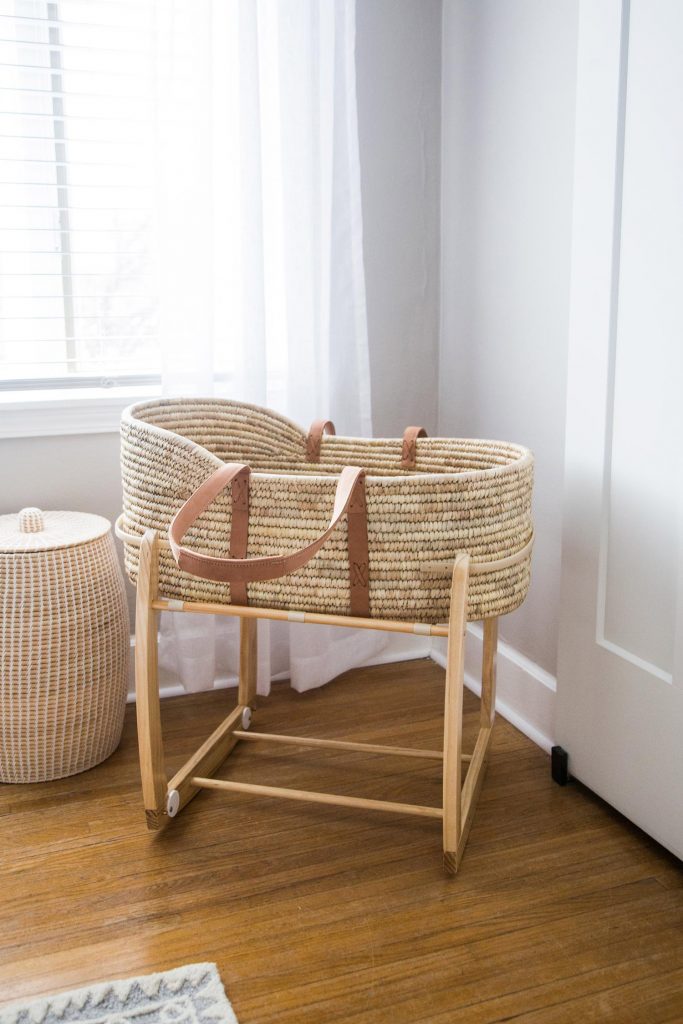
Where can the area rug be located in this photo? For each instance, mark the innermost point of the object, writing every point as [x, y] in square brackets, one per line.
[187, 995]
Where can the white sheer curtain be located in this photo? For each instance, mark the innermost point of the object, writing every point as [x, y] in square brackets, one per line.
[262, 284]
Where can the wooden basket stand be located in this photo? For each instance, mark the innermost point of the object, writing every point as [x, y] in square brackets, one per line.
[164, 798]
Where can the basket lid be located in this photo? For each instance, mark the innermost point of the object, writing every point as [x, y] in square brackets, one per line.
[35, 530]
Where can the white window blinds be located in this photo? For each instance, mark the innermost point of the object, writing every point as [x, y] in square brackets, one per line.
[78, 288]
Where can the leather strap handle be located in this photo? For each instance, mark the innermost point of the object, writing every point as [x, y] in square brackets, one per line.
[350, 492]
[192, 562]
[409, 450]
[359, 566]
[315, 436]
[239, 532]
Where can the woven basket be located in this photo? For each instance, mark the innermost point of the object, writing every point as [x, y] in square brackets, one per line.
[460, 495]
[64, 642]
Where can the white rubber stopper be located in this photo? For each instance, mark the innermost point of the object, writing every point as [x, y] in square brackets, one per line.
[173, 803]
[31, 520]
[246, 718]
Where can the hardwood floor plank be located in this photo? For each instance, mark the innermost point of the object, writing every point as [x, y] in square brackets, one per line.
[561, 911]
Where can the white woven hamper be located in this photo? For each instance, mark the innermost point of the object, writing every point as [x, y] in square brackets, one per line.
[64, 641]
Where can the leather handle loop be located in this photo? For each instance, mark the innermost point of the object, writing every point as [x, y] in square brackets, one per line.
[315, 436]
[248, 570]
[409, 449]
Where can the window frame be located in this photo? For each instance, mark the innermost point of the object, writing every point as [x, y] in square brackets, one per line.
[46, 412]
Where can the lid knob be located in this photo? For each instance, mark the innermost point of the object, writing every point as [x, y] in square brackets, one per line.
[31, 520]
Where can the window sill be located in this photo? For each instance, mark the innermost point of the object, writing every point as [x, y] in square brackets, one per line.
[67, 411]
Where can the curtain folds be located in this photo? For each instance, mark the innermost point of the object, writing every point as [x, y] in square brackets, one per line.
[261, 283]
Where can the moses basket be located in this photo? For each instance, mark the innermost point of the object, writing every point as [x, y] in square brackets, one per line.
[261, 532]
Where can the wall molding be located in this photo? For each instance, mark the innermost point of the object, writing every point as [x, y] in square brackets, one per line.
[525, 692]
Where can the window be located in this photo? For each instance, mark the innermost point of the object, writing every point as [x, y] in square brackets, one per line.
[78, 292]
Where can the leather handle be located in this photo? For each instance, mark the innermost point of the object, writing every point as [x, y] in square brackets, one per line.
[350, 490]
[315, 436]
[409, 449]
[359, 563]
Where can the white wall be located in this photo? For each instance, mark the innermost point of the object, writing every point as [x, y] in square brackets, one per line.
[398, 69]
[509, 73]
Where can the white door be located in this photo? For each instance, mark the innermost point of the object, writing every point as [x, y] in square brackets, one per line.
[620, 678]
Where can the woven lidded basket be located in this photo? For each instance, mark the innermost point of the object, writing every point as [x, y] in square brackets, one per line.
[64, 642]
[424, 503]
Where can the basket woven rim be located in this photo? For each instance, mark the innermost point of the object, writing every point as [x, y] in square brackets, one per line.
[129, 415]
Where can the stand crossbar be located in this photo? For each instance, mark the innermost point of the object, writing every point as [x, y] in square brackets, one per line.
[315, 618]
[367, 748]
[320, 798]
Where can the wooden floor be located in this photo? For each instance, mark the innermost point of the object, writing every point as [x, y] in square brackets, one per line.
[561, 911]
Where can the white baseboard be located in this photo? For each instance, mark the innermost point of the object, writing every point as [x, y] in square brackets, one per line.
[400, 647]
[525, 693]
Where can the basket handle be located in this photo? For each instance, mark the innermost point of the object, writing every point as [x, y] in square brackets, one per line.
[349, 497]
[409, 446]
[315, 436]
[320, 427]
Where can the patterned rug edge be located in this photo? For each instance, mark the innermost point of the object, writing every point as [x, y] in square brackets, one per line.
[199, 985]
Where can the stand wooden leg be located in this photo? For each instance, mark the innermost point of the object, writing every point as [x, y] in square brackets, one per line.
[452, 740]
[205, 761]
[469, 795]
[150, 742]
[248, 662]
[213, 752]
[488, 673]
